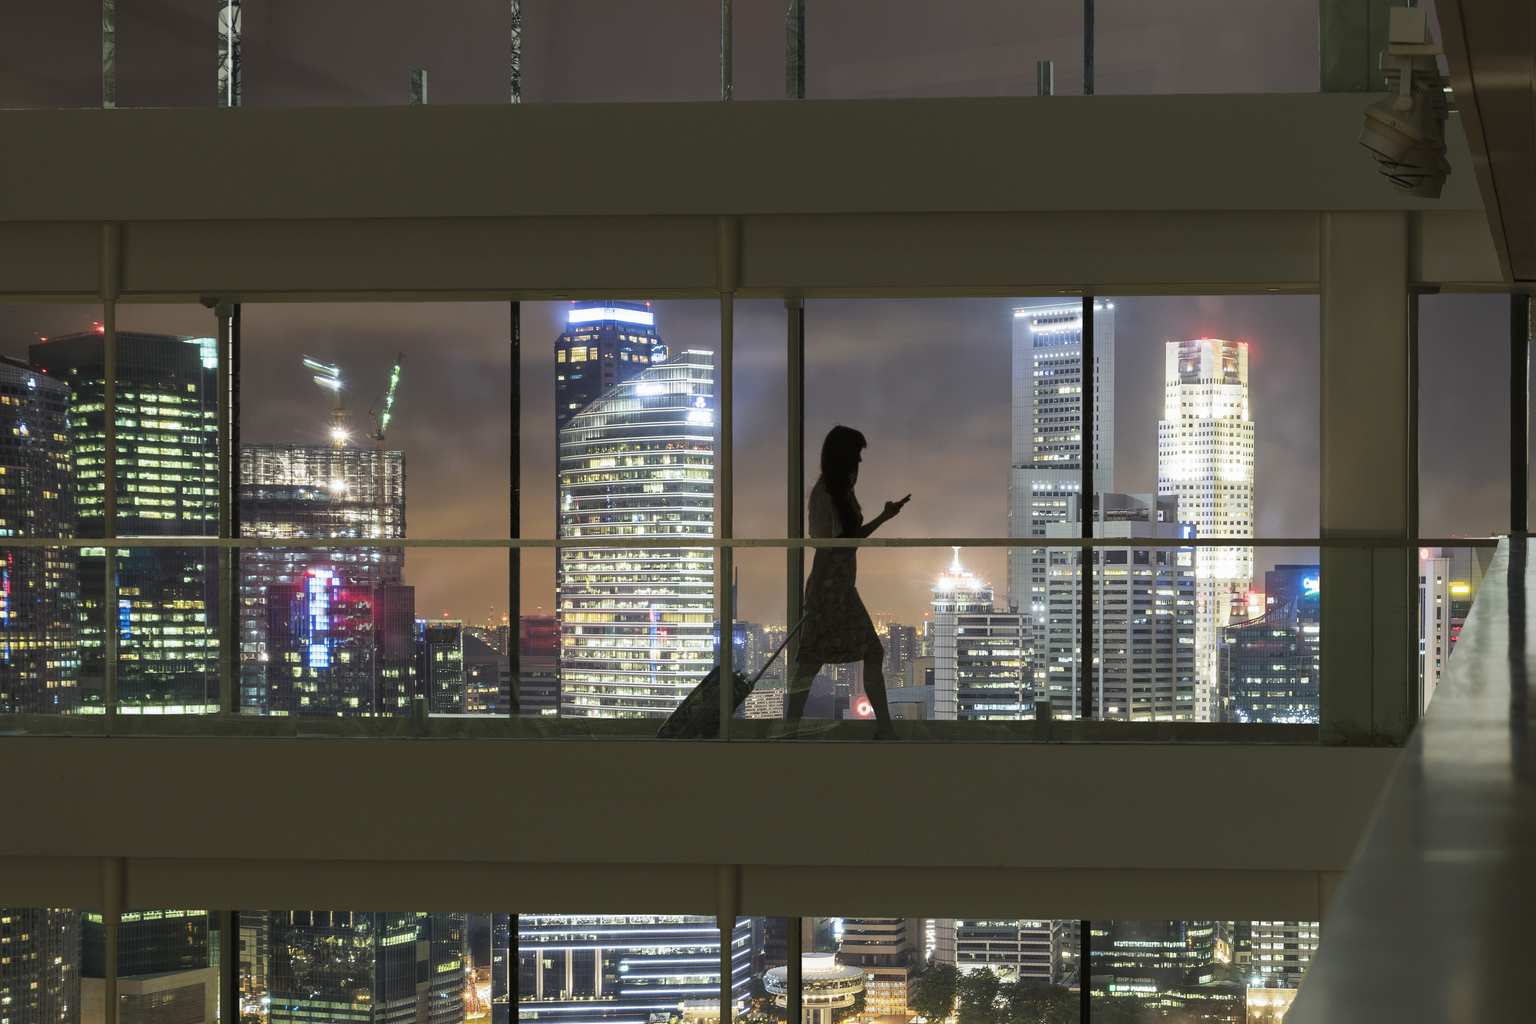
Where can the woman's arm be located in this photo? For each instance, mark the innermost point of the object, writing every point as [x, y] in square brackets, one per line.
[892, 509]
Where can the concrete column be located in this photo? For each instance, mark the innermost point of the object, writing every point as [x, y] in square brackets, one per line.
[1367, 478]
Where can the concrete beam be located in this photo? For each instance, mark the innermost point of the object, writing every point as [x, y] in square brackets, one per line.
[976, 155]
[232, 822]
[822, 255]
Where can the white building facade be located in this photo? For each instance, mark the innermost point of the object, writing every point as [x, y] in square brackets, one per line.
[1205, 461]
[958, 592]
[1047, 450]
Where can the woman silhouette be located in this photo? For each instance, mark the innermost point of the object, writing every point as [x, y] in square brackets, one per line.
[837, 626]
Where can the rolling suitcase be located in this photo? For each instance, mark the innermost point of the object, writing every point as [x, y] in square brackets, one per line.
[698, 716]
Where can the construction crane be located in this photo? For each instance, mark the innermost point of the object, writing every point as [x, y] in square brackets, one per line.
[381, 424]
[329, 377]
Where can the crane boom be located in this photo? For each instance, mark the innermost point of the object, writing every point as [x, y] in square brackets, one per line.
[378, 438]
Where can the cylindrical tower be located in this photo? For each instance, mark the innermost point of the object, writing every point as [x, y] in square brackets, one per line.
[825, 987]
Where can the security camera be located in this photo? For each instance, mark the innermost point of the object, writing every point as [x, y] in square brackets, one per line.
[1406, 131]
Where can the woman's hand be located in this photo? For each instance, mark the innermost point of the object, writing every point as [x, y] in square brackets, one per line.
[891, 510]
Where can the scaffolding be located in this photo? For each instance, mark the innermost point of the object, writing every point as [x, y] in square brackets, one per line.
[312, 492]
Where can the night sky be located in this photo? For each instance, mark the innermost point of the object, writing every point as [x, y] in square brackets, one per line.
[926, 380]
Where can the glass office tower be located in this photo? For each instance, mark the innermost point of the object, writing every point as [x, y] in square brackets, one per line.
[605, 344]
[331, 967]
[1047, 407]
[167, 485]
[312, 491]
[335, 647]
[637, 623]
[1268, 666]
[39, 587]
[958, 592]
[165, 966]
[622, 968]
[40, 966]
[1205, 461]
[1143, 606]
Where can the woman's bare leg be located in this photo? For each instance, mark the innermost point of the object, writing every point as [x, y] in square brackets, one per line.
[800, 689]
[874, 689]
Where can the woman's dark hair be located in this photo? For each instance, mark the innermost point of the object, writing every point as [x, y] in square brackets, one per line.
[839, 461]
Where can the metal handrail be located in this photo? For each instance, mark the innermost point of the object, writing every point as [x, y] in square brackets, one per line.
[752, 542]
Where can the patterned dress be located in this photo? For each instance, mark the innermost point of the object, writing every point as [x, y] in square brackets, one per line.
[837, 626]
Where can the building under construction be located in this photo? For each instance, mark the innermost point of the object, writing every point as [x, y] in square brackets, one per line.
[312, 491]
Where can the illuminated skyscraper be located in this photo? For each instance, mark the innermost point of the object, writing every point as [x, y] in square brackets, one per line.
[336, 647]
[1269, 665]
[440, 665]
[167, 485]
[311, 491]
[1205, 461]
[366, 968]
[538, 666]
[605, 344]
[1143, 607]
[40, 966]
[621, 968]
[1048, 389]
[637, 465]
[958, 594]
[39, 625]
[165, 967]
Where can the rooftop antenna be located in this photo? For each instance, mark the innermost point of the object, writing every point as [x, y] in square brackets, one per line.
[329, 377]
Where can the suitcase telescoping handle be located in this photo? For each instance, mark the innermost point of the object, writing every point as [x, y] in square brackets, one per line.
[787, 638]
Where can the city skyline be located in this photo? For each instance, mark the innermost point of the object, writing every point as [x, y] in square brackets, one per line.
[457, 360]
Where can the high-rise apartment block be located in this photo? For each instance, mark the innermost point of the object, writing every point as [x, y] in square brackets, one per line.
[1143, 607]
[1050, 383]
[167, 485]
[313, 492]
[637, 465]
[39, 587]
[900, 649]
[1205, 462]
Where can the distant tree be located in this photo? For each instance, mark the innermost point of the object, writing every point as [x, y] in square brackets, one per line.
[978, 992]
[934, 1000]
[760, 1002]
[1032, 1002]
[1109, 1009]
